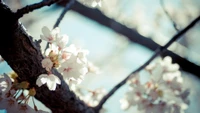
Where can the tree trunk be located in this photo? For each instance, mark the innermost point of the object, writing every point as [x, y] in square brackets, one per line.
[24, 56]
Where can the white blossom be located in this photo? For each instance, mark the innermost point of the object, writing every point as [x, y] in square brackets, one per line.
[72, 69]
[52, 48]
[49, 36]
[166, 63]
[124, 104]
[62, 41]
[51, 80]
[96, 3]
[47, 64]
[72, 49]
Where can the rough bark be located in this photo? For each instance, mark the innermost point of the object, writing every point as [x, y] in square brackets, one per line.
[24, 57]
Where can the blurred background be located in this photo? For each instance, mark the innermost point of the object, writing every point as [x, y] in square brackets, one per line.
[121, 35]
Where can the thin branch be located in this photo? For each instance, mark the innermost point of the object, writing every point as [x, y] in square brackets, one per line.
[168, 15]
[97, 16]
[29, 8]
[67, 7]
[157, 52]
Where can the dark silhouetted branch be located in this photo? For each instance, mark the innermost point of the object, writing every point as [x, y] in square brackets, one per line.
[67, 7]
[168, 15]
[30, 8]
[133, 36]
[157, 52]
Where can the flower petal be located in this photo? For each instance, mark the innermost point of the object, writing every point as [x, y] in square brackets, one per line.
[46, 31]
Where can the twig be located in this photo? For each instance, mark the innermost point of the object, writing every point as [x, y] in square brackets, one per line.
[29, 8]
[67, 7]
[157, 52]
[168, 15]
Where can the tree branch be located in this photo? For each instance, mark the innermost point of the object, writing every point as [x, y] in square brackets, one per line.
[67, 7]
[157, 52]
[168, 15]
[24, 57]
[29, 8]
[133, 35]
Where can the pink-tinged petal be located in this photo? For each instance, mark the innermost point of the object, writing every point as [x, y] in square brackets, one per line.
[47, 64]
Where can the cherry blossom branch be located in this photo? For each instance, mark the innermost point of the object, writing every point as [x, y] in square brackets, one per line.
[29, 8]
[168, 15]
[67, 7]
[157, 52]
[24, 57]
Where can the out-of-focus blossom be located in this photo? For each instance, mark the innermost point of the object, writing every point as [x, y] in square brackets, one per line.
[92, 68]
[93, 98]
[163, 93]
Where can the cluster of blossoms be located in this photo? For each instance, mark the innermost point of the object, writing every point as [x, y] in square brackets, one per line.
[96, 3]
[90, 97]
[70, 60]
[93, 3]
[12, 97]
[163, 93]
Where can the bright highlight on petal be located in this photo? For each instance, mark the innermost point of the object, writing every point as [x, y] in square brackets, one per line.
[51, 80]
